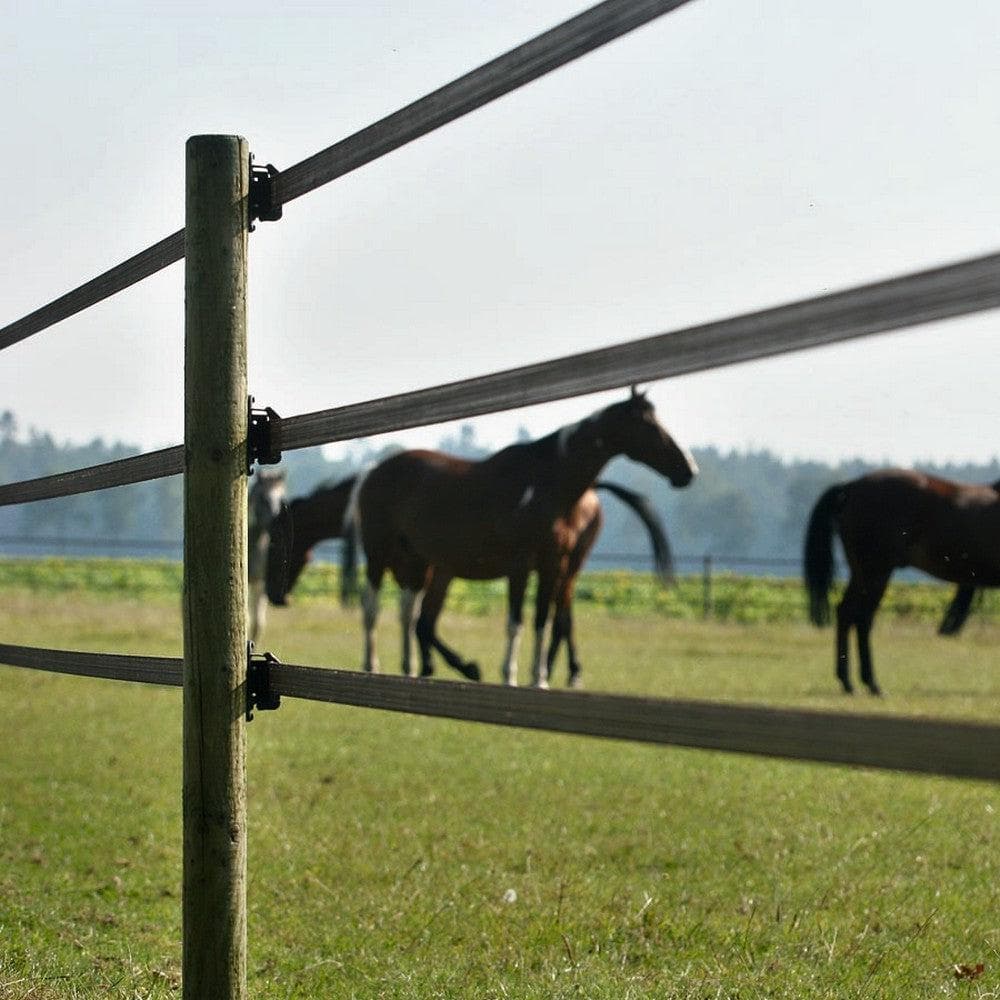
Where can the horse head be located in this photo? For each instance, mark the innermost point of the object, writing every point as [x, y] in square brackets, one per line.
[266, 499]
[631, 429]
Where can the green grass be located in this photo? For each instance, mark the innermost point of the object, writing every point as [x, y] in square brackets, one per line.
[732, 598]
[402, 857]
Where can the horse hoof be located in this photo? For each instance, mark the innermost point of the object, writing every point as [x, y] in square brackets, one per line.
[471, 671]
[575, 682]
[875, 691]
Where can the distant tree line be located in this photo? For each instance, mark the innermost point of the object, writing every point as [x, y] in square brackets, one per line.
[744, 504]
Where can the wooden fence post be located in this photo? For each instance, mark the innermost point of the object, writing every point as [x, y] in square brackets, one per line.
[215, 568]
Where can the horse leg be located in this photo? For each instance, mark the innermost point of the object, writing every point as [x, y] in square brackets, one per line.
[427, 635]
[575, 670]
[543, 601]
[516, 585]
[559, 634]
[846, 618]
[409, 601]
[873, 595]
[369, 613]
[566, 611]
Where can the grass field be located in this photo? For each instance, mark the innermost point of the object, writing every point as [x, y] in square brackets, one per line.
[401, 857]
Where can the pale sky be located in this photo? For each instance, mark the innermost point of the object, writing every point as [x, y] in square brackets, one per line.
[731, 156]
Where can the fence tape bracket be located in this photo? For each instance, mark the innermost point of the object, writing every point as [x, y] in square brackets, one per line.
[262, 203]
[263, 436]
[259, 693]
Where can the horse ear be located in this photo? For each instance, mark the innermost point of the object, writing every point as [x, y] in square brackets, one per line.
[636, 394]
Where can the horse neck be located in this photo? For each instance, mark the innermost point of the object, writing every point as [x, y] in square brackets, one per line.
[316, 519]
[582, 453]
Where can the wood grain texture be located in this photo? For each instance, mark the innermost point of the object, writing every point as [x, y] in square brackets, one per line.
[215, 568]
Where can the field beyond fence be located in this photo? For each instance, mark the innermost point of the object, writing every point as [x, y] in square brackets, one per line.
[496, 862]
[732, 597]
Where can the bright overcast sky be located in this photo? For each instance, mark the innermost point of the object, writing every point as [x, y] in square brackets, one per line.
[731, 156]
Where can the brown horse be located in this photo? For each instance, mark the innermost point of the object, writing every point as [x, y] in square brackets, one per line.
[504, 516]
[887, 520]
[321, 515]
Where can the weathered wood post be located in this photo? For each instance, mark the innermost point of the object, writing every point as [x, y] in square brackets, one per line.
[706, 587]
[215, 568]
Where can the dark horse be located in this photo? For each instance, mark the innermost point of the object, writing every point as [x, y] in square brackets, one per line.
[307, 521]
[961, 604]
[428, 517]
[265, 502]
[321, 515]
[887, 520]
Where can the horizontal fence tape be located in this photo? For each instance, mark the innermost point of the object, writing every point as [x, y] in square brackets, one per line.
[168, 251]
[928, 746]
[909, 300]
[112, 666]
[124, 472]
[554, 48]
[548, 51]
[920, 297]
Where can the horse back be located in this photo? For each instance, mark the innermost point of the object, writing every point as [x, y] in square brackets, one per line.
[899, 517]
[477, 519]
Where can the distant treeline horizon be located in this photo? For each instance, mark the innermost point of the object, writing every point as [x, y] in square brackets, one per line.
[745, 505]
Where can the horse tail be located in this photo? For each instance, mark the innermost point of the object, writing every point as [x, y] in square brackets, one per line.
[350, 532]
[663, 558]
[958, 611]
[818, 556]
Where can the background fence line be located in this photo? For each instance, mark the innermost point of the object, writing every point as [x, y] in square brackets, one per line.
[332, 546]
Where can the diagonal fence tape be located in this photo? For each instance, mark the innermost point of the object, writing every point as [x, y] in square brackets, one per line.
[920, 297]
[554, 48]
[111, 666]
